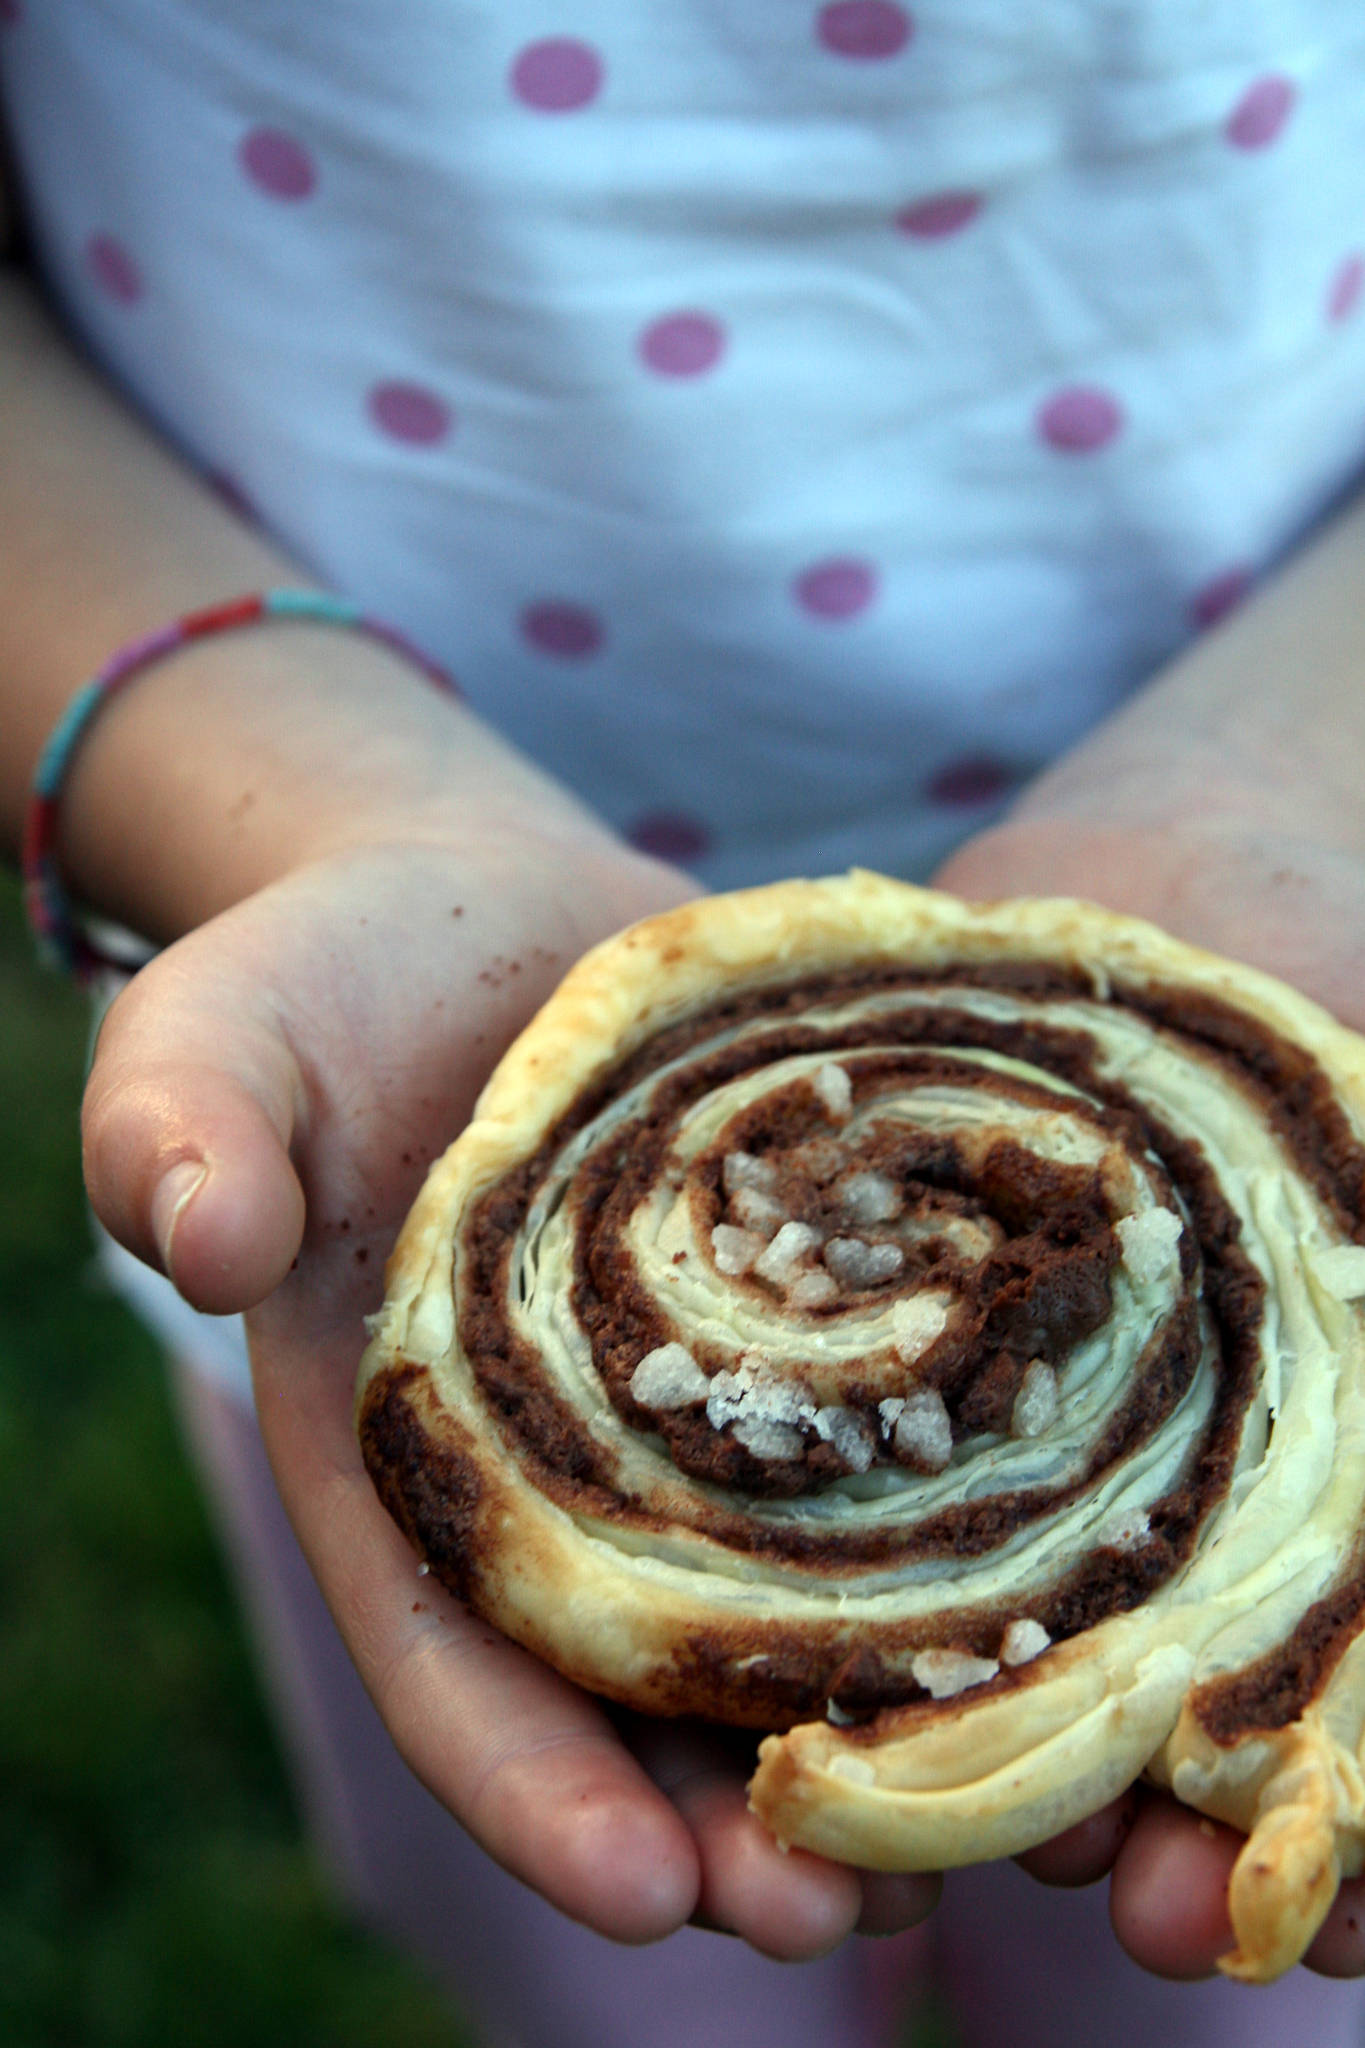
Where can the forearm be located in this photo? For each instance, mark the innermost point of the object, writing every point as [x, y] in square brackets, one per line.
[231, 761]
[1223, 802]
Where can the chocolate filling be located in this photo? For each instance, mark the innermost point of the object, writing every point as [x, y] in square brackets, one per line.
[431, 1489]
[1039, 1294]
[1043, 1290]
[1274, 1691]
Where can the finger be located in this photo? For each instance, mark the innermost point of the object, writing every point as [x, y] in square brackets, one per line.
[529, 1764]
[787, 1904]
[1168, 1899]
[186, 1125]
[1084, 1852]
[525, 1761]
[1338, 1948]
[894, 1901]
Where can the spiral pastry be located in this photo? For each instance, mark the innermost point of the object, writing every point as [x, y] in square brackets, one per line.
[933, 1333]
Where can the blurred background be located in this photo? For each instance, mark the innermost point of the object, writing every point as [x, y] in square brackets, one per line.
[154, 1885]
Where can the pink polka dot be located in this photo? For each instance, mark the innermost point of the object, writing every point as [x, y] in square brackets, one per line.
[1261, 112]
[277, 164]
[944, 214]
[683, 344]
[554, 626]
[976, 780]
[864, 28]
[558, 75]
[114, 269]
[668, 835]
[409, 412]
[1219, 596]
[1079, 419]
[1346, 288]
[836, 589]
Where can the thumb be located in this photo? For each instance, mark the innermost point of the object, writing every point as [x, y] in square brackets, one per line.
[186, 1126]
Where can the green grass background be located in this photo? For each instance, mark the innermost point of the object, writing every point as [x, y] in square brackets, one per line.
[155, 1890]
[154, 1887]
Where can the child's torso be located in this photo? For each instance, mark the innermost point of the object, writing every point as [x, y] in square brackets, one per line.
[793, 423]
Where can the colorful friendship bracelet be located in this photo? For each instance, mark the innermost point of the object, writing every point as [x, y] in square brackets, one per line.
[60, 939]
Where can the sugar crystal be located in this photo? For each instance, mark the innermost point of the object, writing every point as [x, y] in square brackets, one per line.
[922, 1431]
[812, 1290]
[758, 1212]
[945, 1673]
[769, 1439]
[747, 1170]
[846, 1430]
[734, 1251]
[1036, 1403]
[869, 1198]
[917, 1322]
[791, 1244]
[1149, 1242]
[668, 1377]
[855, 1263]
[1023, 1640]
[834, 1089]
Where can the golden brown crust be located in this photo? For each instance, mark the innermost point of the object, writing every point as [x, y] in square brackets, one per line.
[1028, 1458]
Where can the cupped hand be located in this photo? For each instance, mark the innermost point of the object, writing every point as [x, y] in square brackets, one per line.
[265, 1098]
[1292, 904]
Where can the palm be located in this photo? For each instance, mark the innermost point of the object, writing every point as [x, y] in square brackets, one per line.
[1289, 902]
[1294, 906]
[319, 1045]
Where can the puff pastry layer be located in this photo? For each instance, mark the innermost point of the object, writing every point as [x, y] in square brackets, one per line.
[932, 1332]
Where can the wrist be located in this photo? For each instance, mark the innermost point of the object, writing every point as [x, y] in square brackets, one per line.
[1132, 839]
[237, 758]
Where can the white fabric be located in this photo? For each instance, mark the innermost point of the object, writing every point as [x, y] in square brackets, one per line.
[792, 423]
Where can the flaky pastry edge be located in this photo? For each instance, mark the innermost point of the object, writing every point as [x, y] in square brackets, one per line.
[972, 1777]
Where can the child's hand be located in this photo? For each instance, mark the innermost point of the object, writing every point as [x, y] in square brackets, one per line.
[1293, 903]
[313, 1048]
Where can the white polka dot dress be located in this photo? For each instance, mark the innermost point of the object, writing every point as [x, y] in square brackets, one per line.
[794, 424]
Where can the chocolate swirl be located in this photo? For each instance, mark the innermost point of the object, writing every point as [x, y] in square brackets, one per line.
[929, 1331]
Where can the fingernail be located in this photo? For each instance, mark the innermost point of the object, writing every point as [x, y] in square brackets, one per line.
[174, 1192]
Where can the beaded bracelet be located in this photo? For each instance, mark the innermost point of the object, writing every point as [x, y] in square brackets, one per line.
[62, 941]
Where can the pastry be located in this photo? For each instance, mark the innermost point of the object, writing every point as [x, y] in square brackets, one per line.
[930, 1333]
